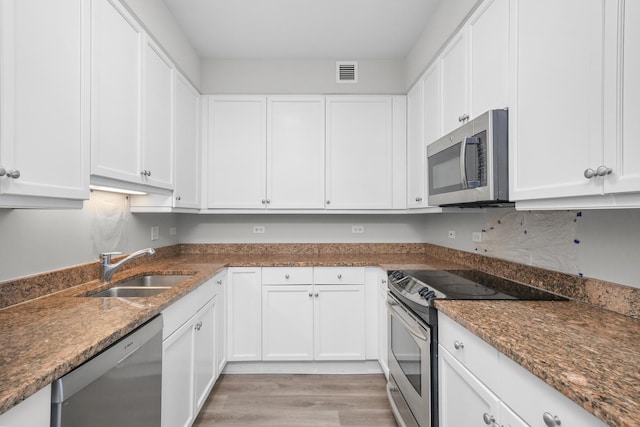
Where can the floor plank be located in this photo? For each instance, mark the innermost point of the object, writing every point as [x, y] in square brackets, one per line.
[290, 400]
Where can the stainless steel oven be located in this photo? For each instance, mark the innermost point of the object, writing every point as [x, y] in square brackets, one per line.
[413, 332]
[409, 386]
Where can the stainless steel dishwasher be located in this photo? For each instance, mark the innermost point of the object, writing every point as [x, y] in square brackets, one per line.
[119, 387]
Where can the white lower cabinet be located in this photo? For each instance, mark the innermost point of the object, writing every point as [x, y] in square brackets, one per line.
[305, 320]
[479, 385]
[34, 411]
[244, 314]
[190, 365]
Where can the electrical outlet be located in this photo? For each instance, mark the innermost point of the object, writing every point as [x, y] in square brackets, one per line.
[155, 232]
[258, 229]
[357, 229]
[452, 234]
[476, 236]
[172, 231]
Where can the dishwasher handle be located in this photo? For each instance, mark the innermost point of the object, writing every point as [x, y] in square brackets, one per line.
[68, 385]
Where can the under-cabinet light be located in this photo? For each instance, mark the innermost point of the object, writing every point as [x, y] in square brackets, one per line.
[115, 190]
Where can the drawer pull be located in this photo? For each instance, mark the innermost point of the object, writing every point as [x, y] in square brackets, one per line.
[458, 344]
[286, 276]
[551, 420]
[339, 276]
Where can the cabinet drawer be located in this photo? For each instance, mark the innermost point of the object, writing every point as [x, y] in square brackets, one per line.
[531, 398]
[475, 354]
[180, 311]
[338, 275]
[287, 275]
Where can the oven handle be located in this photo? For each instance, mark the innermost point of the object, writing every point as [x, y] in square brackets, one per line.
[463, 163]
[393, 306]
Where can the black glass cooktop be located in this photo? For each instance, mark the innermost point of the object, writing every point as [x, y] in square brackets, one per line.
[422, 286]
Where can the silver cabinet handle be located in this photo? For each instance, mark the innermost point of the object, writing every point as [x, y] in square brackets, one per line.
[264, 201]
[458, 344]
[384, 281]
[603, 170]
[198, 326]
[219, 282]
[488, 419]
[3, 171]
[310, 294]
[551, 420]
[589, 173]
[418, 199]
[145, 173]
[286, 276]
[328, 202]
[13, 173]
[315, 295]
[268, 201]
[463, 118]
[178, 198]
[339, 276]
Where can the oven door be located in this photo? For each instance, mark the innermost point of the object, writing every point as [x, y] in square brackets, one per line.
[409, 365]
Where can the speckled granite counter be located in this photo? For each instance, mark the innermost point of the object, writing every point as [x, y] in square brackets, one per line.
[41, 339]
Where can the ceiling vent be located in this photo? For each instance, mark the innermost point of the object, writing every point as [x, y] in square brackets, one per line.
[347, 72]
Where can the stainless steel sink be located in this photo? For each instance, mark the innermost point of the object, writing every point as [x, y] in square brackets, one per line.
[166, 280]
[143, 286]
[131, 291]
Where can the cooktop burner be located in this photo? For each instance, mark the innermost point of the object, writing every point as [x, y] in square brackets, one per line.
[422, 286]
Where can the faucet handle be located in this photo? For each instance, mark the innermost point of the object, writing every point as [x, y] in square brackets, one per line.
[105, 257]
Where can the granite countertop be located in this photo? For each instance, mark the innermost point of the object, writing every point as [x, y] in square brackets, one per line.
[589, 354]
[594, 365]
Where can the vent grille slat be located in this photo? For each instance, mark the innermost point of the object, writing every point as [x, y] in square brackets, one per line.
[347, 72]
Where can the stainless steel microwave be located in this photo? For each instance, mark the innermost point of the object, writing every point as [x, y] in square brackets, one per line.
[469, 166]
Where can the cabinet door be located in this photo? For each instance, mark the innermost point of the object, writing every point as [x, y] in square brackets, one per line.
[44, 66]
[204, 352]
[244, 315]
[115, 92]
[431, 108]
[339, 322]
[177, 378]
[359, 152]
[295, 152]
[221, 321]
[453, 66]
[287, 322]
[464, 400]
[416, 154]
[187, 145]
[34, 411]
[157, 135]
[622, 153]
[556, 105]
[488, 32]
[237, 152]
[508, 418]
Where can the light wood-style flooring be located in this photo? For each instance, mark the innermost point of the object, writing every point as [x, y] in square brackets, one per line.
[285, 400]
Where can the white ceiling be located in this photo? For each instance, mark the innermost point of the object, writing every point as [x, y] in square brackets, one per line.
[302, 29]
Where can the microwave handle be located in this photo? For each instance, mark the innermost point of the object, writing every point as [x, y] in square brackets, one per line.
[463, 159]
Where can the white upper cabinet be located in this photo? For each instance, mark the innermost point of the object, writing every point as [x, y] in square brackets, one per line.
[295, 152]
[575, 102]
[431, 107]
[237, 152]
[44, 152]
[474, 68]
[488, 33]
[157, 134]
[622, 153]
[453, 66]
[115, 92]
[416, 148]
[131, 103]
[187, 144]
[360, 149]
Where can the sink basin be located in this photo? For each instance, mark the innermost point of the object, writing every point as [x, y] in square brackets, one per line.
[143, 286]
[162, 280]
[131, 291]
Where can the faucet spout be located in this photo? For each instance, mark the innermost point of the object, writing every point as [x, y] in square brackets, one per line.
[107, 269]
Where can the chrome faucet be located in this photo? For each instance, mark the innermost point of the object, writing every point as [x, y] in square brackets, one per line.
[107, 269]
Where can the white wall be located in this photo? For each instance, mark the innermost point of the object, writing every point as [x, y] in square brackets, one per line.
[448, 17]
[607, 242]
[159, 22]
[300, 228]
[299, 77]
[36, 241]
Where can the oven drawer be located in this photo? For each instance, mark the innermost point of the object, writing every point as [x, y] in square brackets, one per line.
[475, 354]
[338, 275]
[287, 275]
